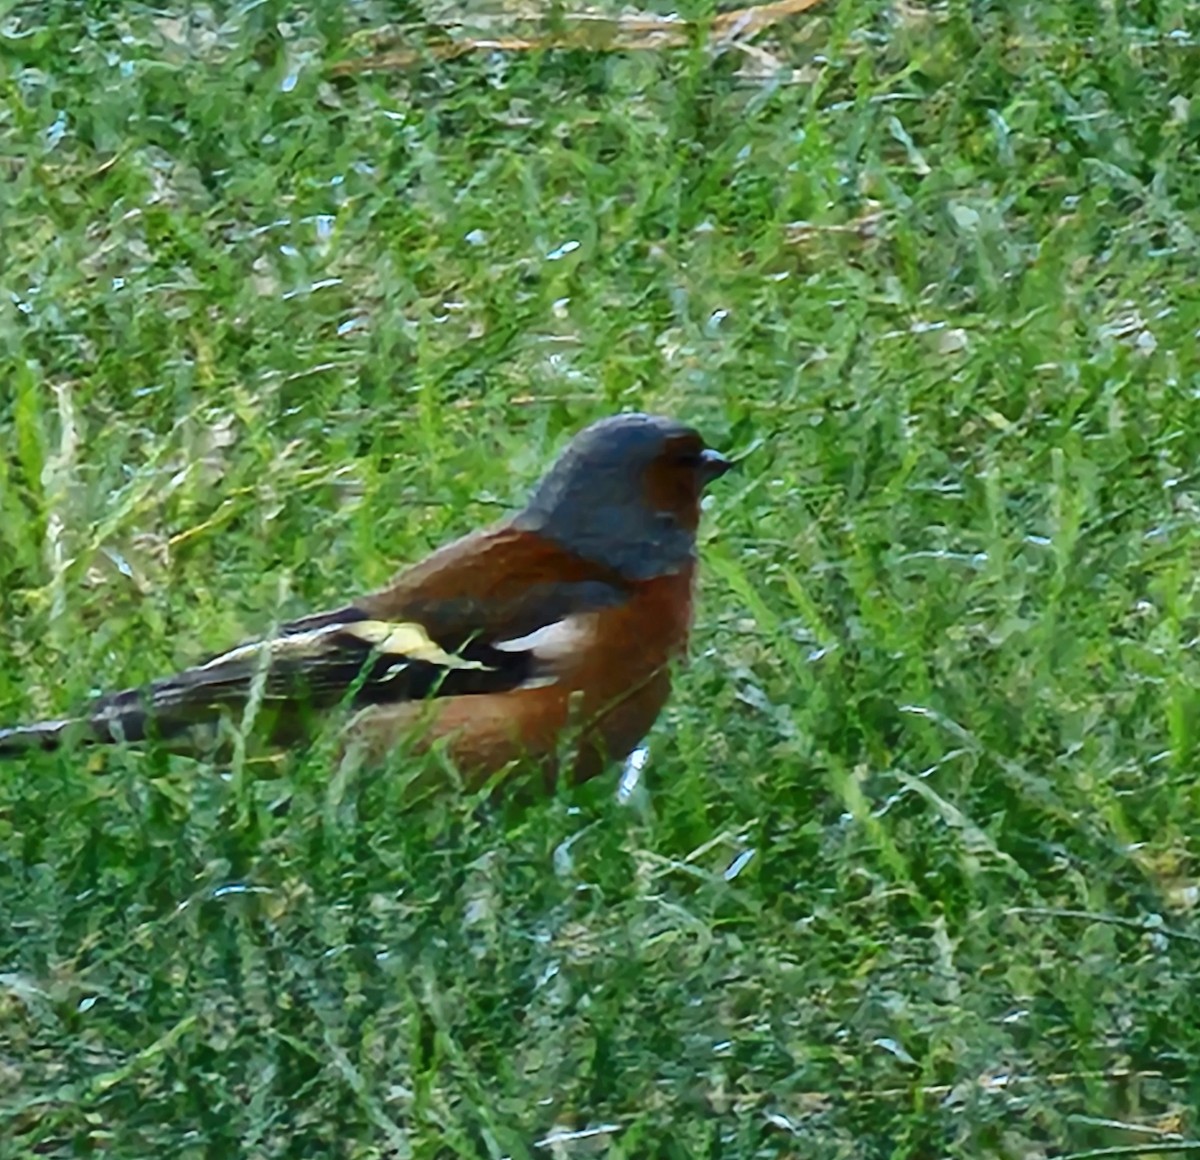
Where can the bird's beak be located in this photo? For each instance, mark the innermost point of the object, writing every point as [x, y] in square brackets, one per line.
[713, 465]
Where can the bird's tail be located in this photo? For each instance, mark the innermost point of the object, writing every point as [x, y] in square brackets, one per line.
[180, 712]
[184, 711]
[112, 724]
[44, 735]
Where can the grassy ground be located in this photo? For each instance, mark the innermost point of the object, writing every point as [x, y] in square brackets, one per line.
[916, 867]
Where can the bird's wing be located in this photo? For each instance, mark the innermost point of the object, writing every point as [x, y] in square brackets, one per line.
[349, 659]
[359, 658]
[343, 658]
[496, 584]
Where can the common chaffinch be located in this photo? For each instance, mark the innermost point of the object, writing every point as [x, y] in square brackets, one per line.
[549, 634]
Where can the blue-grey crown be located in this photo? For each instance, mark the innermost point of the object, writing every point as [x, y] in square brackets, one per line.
[593, 500]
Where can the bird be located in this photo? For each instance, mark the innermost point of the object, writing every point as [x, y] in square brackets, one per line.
[548, 637]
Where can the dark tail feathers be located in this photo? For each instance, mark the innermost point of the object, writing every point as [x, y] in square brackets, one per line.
[106, 728]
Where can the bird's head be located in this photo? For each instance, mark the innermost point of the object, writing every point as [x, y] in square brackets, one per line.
[626, 494]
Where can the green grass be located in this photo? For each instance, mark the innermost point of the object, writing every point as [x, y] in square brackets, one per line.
[916, 869]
